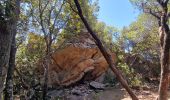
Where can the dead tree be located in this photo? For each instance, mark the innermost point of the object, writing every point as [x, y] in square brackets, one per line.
[104, 52]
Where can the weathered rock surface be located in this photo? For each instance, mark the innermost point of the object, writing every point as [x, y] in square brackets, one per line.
[78, 59]
[97, 85]
[71, 93]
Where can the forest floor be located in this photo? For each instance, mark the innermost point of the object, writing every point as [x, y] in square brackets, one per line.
[121, 94]
[118, 94]
[110, 93]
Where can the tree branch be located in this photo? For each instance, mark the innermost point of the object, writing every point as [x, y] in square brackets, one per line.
[41, 16]
[45, 6]
[72, 7]
[52, 29]
[152, 13]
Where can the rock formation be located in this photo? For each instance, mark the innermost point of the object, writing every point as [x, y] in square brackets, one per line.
[78, 59]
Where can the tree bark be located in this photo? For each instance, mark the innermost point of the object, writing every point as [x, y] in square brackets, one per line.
[165, 54]
[7, 48]
[8, 93]
[164, 34]
[46, 68]
[47, 64]
[105, 53]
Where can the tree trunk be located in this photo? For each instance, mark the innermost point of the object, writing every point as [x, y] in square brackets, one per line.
[105, 53]
[8, 93]
[165, 54]
[7, 35]
[5, 46]
[46, 69]
[45, 87]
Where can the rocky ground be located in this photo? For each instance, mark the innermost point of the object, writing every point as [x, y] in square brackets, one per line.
[97, 91]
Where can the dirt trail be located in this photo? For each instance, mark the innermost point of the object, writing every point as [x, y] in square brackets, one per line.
[117, 94]
[121, 94]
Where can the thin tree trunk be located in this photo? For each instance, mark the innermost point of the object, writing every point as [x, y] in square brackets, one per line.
[105, 53]
[164, 34]
[165, 54]
[45, 87]
[46, 69]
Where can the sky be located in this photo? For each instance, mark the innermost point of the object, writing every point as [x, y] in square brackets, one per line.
[117, 13]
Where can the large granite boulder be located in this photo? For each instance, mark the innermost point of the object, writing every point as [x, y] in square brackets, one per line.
[79, 59]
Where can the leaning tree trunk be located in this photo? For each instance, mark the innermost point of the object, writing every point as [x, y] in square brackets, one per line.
[165, 54]
[105, 53]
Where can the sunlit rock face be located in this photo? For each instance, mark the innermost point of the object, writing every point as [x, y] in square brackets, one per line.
[78, 59]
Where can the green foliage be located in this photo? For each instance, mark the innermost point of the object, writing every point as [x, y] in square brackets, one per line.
[28, 55]
[137, 50]
[105, 32]
[142, 36]
[32, 50]
[140, 4]
[128, 72]
[109, 78]
[74, 25]
[139, 40]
